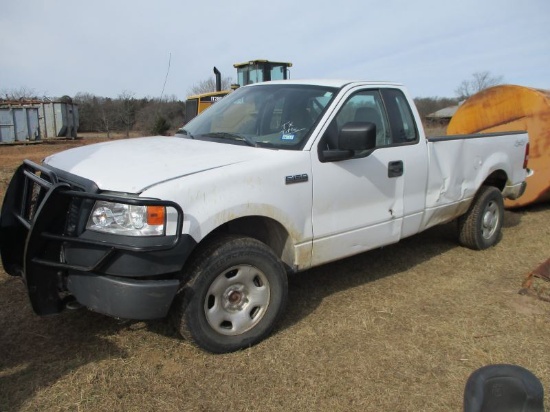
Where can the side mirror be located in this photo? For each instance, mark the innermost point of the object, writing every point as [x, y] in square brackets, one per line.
[354, 136]
[357, 136]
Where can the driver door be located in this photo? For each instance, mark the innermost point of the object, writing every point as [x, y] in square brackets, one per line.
[357, 203]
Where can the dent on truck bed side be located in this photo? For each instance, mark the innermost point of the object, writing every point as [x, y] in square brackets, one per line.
[460, 166]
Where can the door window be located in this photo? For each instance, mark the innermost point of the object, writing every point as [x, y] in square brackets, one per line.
[366, 106]
[403, 126]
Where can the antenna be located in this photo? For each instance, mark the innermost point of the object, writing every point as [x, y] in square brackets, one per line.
[166, 78]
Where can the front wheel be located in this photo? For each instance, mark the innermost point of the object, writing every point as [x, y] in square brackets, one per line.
[480, 227]
[236, 292]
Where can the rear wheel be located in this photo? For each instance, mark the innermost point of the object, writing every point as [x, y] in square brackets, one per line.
[480, 227]
[236, 292]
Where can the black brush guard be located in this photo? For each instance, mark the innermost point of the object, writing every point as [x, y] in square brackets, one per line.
[45, 213]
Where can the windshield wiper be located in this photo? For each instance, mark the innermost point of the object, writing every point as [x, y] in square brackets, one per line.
[233, 136]
[185, 132]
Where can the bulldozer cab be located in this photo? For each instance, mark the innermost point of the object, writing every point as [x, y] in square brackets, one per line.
[253, 71]
[256, 71]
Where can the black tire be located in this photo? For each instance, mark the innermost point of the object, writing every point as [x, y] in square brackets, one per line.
[480, 227]
[237, 290]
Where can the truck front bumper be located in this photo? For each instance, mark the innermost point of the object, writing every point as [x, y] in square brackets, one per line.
[122, 297]
[43, 239]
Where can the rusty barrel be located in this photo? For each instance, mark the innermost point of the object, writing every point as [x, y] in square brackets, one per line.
[509, 108]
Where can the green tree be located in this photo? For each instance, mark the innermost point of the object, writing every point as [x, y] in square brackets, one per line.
[160, 126]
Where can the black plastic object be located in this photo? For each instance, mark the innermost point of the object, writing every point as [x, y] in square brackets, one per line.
[503, 388]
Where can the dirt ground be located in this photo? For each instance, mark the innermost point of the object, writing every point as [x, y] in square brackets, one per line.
[395, 329]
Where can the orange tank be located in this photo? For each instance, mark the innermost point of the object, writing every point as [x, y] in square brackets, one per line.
[509, 108]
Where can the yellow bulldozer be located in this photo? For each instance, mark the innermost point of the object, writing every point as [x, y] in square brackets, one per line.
[253, 71]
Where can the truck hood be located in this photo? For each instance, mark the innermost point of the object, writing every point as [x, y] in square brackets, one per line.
[137, 164]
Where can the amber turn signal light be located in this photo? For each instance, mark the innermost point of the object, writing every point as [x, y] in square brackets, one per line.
[156, 215]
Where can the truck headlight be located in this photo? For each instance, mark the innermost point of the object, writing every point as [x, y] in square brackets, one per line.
[129, 220]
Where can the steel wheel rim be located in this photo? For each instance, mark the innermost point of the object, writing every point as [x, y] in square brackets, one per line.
[490, 220]
[237, 300]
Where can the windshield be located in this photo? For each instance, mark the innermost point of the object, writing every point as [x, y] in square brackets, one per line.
[274, 115]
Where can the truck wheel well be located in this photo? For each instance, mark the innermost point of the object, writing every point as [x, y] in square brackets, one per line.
[264, 229]
[497, 179]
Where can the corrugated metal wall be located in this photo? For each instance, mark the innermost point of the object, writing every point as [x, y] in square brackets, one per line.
[21, 121]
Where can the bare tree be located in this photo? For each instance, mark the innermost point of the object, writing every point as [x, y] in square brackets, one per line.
[125, 113]
[157, 114]
[107, 116]
[22, 93]
[209, 85]
[89, 110]
[127, 110]
[479, 82]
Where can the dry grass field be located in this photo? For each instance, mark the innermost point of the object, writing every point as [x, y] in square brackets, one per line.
[395, 329]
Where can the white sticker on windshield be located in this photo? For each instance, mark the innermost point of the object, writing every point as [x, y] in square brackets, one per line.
[287, 136]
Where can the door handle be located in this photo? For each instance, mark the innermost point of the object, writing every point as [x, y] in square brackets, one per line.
[395, 168]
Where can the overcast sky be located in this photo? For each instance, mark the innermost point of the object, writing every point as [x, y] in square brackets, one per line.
[105, 47]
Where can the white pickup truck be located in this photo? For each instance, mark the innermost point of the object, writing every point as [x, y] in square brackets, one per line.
[277, 177]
